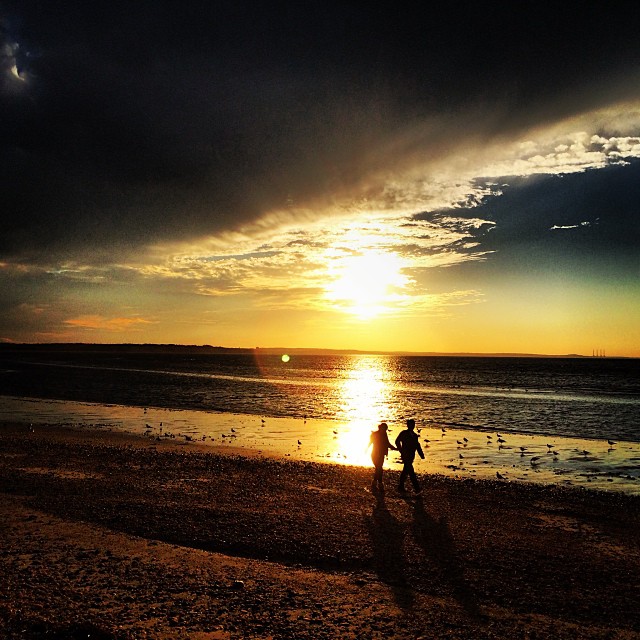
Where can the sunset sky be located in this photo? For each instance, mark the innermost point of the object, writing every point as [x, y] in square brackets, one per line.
[324, 175]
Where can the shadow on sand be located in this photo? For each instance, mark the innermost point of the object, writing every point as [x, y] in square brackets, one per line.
[389, 562]
[434, 538]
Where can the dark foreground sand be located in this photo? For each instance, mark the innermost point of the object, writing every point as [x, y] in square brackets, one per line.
[111, 536]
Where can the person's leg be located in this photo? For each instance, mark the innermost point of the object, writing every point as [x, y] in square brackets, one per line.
[414, 478]
[378, 477]
[403, 477]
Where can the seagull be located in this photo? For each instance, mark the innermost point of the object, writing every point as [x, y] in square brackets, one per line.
[459, 441]
[499, 475]
[466, 439]
[612, 442]
[500, 440]
[523, 449]
[299, 443]
[549, 446]
[535, 459]
[585, 452]
[460, 456]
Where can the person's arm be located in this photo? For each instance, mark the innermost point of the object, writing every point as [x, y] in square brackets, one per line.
[391, 446]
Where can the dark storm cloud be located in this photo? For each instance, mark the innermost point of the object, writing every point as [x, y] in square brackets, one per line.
[134, 122]
[586, 221]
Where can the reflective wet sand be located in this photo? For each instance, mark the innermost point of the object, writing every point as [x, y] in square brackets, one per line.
[596, 464]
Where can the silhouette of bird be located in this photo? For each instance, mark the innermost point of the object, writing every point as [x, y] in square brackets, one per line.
[499, 475]
[233, 430]
[459, 441]
[585, 452]
[612, 442]
[501, 441]
[299, 443]
[549, 446]
[460, 456]
[535, 459]
[466, 439]
[523, 449]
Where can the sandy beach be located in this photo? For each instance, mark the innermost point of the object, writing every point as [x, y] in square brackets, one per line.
[112, 535]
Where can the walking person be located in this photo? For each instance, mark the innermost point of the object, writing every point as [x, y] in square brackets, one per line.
[379, 441]
[408, 444]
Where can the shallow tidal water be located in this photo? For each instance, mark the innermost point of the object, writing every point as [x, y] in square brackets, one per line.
[452, 451]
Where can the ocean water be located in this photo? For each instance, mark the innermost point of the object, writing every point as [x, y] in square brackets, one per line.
[573, 421]
[595, 398]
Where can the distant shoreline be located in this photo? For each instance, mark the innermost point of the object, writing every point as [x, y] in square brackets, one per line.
[152, 348]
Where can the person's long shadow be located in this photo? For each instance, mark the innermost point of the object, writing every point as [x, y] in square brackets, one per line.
[389, 562]
[435, 538]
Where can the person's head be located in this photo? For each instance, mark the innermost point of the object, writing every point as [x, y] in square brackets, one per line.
[382, 426]
[411, 424]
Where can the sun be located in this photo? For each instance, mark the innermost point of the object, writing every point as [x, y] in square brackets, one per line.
[366, 284]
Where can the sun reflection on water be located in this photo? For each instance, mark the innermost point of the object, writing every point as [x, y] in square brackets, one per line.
[364, 396]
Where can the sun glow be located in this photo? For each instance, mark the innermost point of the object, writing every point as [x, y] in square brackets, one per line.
[366, 394]
[366, 284]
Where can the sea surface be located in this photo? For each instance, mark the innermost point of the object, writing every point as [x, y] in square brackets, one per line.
[580, 397]
[543, 410]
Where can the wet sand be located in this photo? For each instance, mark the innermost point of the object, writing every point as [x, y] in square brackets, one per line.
[455, 452]
[112, 535]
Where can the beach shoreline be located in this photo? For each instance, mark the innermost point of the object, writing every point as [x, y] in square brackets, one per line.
[129, 537]
[457, 452]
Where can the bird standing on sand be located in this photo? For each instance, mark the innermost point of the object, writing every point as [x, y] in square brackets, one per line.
[499, 475]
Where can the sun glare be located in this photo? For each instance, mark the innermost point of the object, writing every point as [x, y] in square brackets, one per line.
[366, 284]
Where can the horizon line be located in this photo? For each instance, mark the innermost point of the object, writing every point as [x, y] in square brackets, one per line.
[293, 350]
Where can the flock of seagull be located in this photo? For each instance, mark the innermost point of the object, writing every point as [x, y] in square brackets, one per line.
[536, 455]
[468, 451]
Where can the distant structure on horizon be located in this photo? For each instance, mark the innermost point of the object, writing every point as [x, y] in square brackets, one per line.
[599, 353]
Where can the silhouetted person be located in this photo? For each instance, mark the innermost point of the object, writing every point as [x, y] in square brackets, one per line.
[379, 441]
[408, 444]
